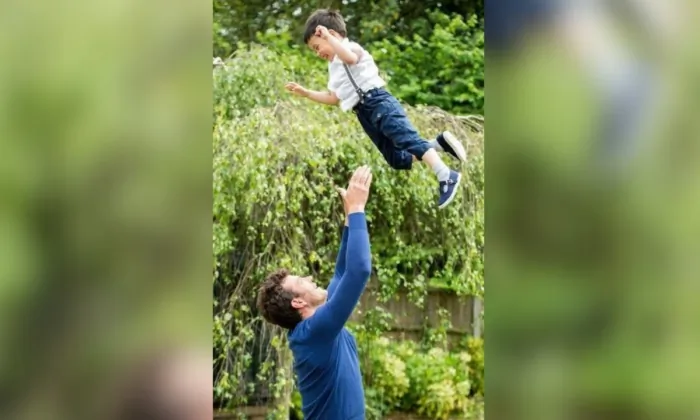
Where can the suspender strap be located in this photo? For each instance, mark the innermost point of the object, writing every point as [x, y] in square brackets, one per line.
[359, 91]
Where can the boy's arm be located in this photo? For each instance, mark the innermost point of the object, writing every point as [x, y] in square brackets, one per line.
[331, 317]
[327, 98]
[349, 54]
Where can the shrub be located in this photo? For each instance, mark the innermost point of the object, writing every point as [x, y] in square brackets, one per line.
[439, 383]
[403, 376]
[255, 77]
[475, 348]
[386, 376]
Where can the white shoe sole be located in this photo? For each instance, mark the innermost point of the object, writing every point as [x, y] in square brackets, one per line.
[455, 145]
[454, 193]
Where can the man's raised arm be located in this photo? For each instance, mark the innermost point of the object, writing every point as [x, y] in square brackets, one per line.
[342, 252]
[339, 262]
[331, 317]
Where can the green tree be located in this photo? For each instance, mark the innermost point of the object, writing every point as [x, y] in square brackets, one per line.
[238, 21]
[445, 69]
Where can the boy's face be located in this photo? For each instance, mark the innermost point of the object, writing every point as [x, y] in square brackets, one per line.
[321, 47]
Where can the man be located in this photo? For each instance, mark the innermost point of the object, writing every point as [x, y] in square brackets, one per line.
[325, 353]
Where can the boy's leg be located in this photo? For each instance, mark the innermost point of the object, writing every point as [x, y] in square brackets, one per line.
[397, 159]
[392, 121]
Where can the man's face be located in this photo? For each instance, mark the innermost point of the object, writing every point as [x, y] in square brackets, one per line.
[307, 293]
[321, 47]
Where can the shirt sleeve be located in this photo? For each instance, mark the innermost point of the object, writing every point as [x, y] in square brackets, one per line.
[339, 263]
[355, 47]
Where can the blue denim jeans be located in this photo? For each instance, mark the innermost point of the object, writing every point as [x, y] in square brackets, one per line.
[385, 122]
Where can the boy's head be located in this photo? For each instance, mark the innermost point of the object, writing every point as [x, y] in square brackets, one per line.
[333, 21]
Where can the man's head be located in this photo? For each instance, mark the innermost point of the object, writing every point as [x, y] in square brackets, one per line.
[285, 299]
[335, 24]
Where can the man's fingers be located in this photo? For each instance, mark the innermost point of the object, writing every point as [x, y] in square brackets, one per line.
[364, 175]
[357, 174]
[361, 174]
[361, 177]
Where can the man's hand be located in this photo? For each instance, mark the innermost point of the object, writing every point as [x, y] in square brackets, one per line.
[322, 32]
[297, 89]
[357, 193]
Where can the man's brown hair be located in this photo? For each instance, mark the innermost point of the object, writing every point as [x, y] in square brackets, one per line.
[331, 19]
[275, 302]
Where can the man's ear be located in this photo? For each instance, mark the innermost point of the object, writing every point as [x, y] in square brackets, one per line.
[298, 303]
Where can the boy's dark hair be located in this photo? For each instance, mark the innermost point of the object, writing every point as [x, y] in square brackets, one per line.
[275, 302]
[331, 19]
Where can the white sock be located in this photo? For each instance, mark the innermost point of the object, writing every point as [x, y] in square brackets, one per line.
[441, 170]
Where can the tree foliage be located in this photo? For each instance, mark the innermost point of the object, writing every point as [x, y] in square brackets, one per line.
[238, 21]
[431, 53]
[444, 68]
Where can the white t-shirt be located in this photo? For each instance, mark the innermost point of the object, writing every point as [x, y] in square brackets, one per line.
[365, 73]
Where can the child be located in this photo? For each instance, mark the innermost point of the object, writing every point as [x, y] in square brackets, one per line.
[354, 82]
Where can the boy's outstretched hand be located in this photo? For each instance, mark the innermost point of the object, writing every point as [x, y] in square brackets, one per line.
[297, 89]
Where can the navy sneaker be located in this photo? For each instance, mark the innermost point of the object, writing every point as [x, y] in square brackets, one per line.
[448, 189]
[452, 146]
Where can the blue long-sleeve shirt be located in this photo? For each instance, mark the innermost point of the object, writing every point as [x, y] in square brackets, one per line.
[325, 353]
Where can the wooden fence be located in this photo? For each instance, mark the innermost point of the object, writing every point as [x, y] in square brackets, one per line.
[409, 320]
